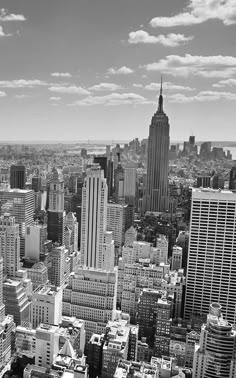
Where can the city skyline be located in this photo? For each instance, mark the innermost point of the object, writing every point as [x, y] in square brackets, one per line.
[91, 70]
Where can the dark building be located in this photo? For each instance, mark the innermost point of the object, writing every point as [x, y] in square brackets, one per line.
[119, 182]
[36, 184]
[94, 355]
[217, 182]
[192, 140]
[56, 226]
[203, 181]
[102, 161]
[232, 179]
[156, 196]
[110, 178]
[205, 150]
[17, 177]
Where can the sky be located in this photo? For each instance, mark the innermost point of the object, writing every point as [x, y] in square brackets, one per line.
[90, 69]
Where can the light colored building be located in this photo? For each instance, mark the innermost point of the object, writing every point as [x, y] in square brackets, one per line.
[130, 185]
[130, 236]
[215, 354]
[162, 246]
[125, 369]
[94, 219]
[36, 235]
[9, 244]
[20, 204]
[115, 347]
[47, 345]
[46, 306]
[211, 275]
[91, 295]
[56, 191]
[71, 222]
[25, 341]
[72, 329]
[38, 274]
[116, 222]
[176, 260]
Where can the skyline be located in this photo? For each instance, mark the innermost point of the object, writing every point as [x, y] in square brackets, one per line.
[86, 70]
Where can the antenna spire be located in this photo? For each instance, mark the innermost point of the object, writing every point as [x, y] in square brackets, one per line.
[160, 102]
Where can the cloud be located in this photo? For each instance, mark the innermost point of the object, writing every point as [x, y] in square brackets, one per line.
[137, 85]
[225, 83]
[2, 94]
[73, 89]
[169, 40]
[55, 98]
[205, 66]
[203, 96]
[105, 87]
[122, 70]
[112, 99]
[61, 74]
[167, 86]
[199, 11]
[21, 83]
[20, 96]
[6, 16]
[3, 34]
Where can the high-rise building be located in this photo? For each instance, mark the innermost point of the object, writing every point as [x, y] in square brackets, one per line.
[94, 219]
[35, 237]
[20, 204]
[116, 222]
[36, 183]
[58, 266]
[211, 274]
[47, 345]
[72, 224]
[203, 181]
[102, 161]
[232, 179]
[17, 177]
[215, 354]
[46, 306]
[156, 197]
[130, 185]
[56, 213]
[91, 295]
[119, 182]
[9, 244]
[176, 260]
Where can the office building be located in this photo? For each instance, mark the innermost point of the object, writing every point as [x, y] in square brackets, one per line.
[58, 265]
[36, 183]
[46, 306]
[20, 204]
[203, 181]
[116, 222]
[163, 324]
[232, 179]
[94, 355]
[25, 341]
[215, 354]
[211, 274]
[72, 329]
[94, 221]
[102, 161]
[119, 182]
[35, 237]
[56, 213]
[17, 177]
[130, 185]
[71, 242]
[9, 244]
[176, 259]
[91, 295]
[47, 345]
[156, 196]
[38, 274]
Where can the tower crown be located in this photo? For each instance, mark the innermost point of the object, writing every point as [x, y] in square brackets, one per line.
[160, 101]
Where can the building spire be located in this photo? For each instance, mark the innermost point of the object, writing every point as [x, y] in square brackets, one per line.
[160, 101]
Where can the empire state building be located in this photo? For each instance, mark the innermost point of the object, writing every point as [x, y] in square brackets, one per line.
[156, 198]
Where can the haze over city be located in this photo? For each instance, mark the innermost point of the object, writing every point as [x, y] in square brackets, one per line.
[81, 70]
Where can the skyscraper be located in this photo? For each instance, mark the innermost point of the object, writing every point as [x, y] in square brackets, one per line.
[56, 213]
[211, 274]
[9, 244]
[232, 179]
[156, 196]
[94, 220]
[20, 204]
[17, 177]
[119, 182]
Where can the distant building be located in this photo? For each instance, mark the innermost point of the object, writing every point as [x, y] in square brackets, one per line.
[35, 237]
[232, 179]
[203, 181]
[17, 177]
[9, 244]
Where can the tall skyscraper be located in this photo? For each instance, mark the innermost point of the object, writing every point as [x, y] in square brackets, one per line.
[9, 244]
[20, 204]
[119, 182]
[130, 185]
[94, 219]
[211, 273]
[17, 177]
[156, 196]
[56, 213]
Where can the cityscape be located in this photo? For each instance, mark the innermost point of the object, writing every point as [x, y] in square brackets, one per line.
[118, 193]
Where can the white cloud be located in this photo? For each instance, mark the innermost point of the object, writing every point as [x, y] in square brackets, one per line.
[22, 83]
[61, 74]
[167, 86]
[105, 87]
[3, 34]
[137, 85]
[122, 70]
[169, 40]
[6, 16]
[205, 66]
[199, 11]
[225, 83]
[55, 98]
[73, 89]
[2, 94]
[203, 96]
[112, 99]
[20, 96]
